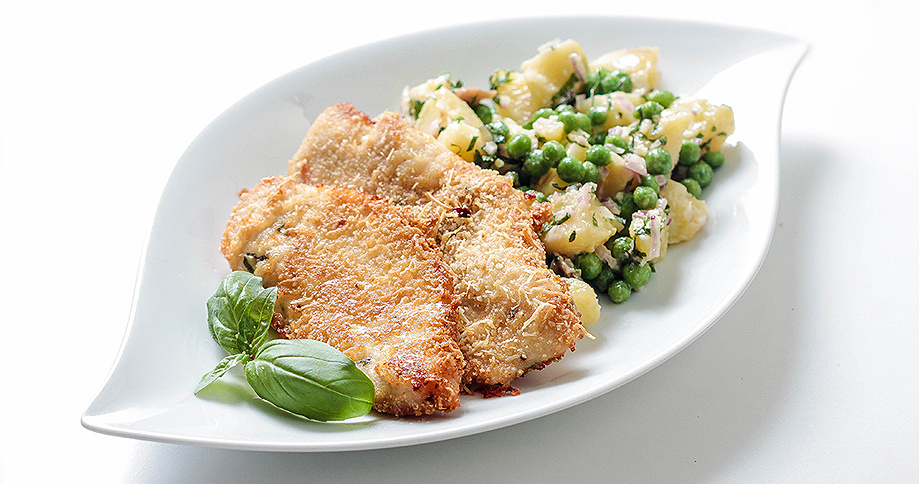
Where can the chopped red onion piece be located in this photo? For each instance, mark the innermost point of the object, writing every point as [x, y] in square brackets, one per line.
[625, 104]
[606, 256]
[565, 267]
[635, 164]
[578, 66]
[610, 205]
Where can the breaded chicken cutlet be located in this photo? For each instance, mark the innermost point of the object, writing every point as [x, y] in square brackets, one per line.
[352, 270]
[515, 315]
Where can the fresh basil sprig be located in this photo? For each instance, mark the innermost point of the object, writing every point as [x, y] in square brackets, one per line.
[221, 368]
[239, 312]
[306, 377]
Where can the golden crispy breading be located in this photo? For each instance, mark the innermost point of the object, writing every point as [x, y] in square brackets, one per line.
[515, 314]
[353, 271]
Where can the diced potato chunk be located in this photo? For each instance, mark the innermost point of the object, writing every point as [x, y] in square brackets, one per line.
[462, 138]
[585, 300]
[640, 63]
[711, 123]
[614, 177]
[577, 146]
[584, 222]
[550, 129]
[669, 131]
[555, 62]
[551, 183]
[540, 79]
[687, 213]
[443, 107]
[515, 97]
[650, 232]
[621, 106]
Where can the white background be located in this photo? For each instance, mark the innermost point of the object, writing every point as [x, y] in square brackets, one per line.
[811, 377]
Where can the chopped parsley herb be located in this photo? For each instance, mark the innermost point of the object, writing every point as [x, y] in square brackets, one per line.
[251, 259]
[499, 78]
[564, 90]
[415, 108]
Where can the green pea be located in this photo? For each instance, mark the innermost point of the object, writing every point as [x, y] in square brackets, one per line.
[598, 155]
[689, 152]
[583, 121]
[593, 79]
[540, 113]
[626, 204]
[570, 170]
[619, 292]
[536, 164]
[485, 113]
[658, 162]
[597, 138]
[692, 186]
[608, 84]
[648, 110]
[650, 181]
[553, 152]
[589, 264]
[662, 97]
[591, 173]
[714, 158]
[622, 248]
[598, 115]
[514, 177]
[499, 131]
[625, 84]
[605, 278]
[618, 141]
[569, 120]
[519, 145]
[543, 113]
[702, 173]
[636, 275]
[564, 108]
[616, 81]
[645, 197]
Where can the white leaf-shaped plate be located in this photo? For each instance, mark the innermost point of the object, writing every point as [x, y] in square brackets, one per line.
[167, 347]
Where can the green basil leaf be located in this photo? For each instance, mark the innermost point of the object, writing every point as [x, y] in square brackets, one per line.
[239, 313]
[310, 378]
[221, 368]
[253, 329]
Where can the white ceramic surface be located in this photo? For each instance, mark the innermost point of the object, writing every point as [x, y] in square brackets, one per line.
[167, 346]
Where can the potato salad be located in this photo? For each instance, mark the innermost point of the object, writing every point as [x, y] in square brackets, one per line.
[623, 162]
